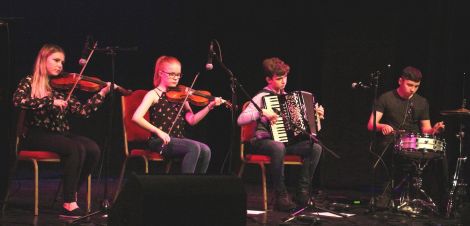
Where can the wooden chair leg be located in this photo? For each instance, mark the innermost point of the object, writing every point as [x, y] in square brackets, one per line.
[36, 187]
[88, 194]
[263, 181]
[146, 163]
[121, 177]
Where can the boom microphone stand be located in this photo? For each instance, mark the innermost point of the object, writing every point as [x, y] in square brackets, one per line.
[233, 86]
[375, 80]
[105, 205]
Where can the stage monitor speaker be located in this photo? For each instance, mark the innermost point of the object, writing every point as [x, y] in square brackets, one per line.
[180, 200]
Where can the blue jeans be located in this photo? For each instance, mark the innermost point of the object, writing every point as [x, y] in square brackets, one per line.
[309, 152]
[195, 155]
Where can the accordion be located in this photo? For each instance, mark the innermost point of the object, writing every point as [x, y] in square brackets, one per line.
[297, 114]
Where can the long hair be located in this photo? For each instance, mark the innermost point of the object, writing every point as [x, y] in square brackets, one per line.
[40, 84]
[158, 64]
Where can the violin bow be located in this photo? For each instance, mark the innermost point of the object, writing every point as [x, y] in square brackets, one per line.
[181, 108]
[81, 71]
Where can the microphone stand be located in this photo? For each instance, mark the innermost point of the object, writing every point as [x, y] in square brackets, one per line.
[311, 204]
[233, 85]
[375, 84]
[105, 204]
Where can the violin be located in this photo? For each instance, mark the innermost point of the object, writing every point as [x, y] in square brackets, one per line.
[85, 83]
[196, 97]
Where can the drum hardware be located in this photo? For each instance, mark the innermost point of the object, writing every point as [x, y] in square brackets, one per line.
[457, 112]
[419, 149]
[458, 192]
[409, 201]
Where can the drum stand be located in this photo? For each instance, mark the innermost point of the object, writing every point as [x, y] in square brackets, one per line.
[414, 188]
[458, 192]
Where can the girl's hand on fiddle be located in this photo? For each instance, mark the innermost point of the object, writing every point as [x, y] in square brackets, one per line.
[164, 136]
[105, 90]
[216, 102]
[62, 104]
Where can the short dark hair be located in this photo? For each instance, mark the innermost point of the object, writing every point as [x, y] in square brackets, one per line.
[411, 73]
[275, 66]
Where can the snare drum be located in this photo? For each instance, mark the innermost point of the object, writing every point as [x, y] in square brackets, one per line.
[415, 145]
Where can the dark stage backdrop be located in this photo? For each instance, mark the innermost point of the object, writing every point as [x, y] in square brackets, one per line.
[329, 45]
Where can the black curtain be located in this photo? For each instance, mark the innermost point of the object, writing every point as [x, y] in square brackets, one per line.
[328, 44]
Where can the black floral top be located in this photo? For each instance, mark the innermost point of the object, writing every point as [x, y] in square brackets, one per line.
[163, 113]
[42, 113]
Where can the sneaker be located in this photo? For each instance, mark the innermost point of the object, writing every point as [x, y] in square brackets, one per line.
[283, 202]
[76, 213]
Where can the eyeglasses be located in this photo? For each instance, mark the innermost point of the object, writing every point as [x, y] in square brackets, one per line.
[173, 74]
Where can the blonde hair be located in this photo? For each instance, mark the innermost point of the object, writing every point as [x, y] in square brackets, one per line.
[158, 64]
[40, 84]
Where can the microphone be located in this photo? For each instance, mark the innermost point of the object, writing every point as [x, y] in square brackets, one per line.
[85, 51]
[209, 65]
[411, 109]
[360, 85]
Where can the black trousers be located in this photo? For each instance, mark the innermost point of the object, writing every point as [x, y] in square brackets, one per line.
[79, 155]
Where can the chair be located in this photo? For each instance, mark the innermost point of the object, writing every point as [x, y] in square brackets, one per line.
[42, 156]
[134, 134]
[247, 132]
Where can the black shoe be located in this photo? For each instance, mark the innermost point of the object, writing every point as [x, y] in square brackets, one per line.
[302, 198]
[283, 202]
[76, 213]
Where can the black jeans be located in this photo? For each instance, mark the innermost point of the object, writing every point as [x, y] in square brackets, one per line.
[79, 155]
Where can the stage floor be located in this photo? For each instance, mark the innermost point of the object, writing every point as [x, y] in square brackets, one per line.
[19, 210]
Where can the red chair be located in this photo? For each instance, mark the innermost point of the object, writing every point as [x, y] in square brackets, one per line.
[133, 133]
[247, 132]
[35, 157]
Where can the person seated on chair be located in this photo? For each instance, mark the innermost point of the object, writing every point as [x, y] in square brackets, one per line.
[275, 72]
[167, 126]
[402, 111]
[49, 127]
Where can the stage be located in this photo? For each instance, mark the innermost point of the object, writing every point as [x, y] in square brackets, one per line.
[354, 204]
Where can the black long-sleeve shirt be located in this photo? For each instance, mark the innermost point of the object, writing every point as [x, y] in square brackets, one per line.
[44, 114]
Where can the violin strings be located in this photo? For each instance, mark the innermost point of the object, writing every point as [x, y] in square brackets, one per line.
[182, 105]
